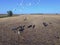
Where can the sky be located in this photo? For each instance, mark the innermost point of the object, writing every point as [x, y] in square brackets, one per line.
[29, 6]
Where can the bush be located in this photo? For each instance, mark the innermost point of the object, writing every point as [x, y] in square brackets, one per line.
[10, 13]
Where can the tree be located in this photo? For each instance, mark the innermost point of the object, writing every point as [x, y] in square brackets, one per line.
[56, 13]
[10, 13]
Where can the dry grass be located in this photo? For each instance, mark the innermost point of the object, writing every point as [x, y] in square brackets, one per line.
[40, 35]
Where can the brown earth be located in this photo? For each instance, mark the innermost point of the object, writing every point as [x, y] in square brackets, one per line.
[40, 35]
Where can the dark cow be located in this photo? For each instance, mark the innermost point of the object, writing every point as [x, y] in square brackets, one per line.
[29, 26]
[21, 28]
[45, 24]
[14, 29]
[33, 26]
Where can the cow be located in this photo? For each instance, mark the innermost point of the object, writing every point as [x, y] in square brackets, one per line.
[33, 26]
[45, 24]
[20, 28]
[29, 26]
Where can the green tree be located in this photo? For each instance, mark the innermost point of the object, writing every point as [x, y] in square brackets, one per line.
[10, 13]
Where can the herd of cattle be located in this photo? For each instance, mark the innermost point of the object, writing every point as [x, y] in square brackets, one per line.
[21, 28]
